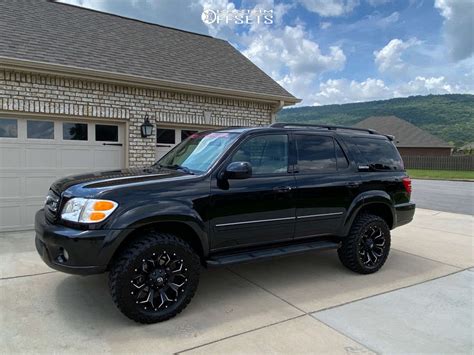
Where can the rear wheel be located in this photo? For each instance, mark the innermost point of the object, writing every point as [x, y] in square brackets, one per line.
[155, 278]
[367, 246]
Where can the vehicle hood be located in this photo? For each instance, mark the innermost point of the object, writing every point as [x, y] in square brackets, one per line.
[104, 179]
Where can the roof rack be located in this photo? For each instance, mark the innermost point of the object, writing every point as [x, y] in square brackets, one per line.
[330, 128]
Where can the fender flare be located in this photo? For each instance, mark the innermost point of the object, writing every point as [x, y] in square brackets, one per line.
[363, 200]
[146, 215]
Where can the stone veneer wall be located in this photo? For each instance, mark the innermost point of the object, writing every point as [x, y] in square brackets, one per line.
[57, 95]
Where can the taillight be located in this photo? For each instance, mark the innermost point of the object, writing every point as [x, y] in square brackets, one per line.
[407, 184]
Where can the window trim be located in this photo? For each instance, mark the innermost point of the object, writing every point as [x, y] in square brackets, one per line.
[166, 129]
[322, 171]
[83, 141]
[17, 128]
[40, 139]
[289, 169]
[107, 124]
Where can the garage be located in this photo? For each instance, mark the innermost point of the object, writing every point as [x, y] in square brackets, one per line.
[36, 151]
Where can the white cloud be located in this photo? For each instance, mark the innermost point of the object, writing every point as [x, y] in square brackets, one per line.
[290, 49]
[426, 85]
[389, 57]
[325, 25]
[344, 91]
[458, 26]
[375, 3]
[330, 8]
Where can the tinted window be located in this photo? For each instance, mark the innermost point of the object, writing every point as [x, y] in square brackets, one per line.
[380, 153]
[342, 161]
[107, 133]
[267, 154]
[165, 136]
[75, 131]
[40, 129]
[315, 153]
[8, 128]
[185, 133]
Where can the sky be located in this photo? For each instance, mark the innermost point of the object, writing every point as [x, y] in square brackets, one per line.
[334, 51]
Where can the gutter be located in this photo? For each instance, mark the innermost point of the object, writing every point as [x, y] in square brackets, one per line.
[135, 80]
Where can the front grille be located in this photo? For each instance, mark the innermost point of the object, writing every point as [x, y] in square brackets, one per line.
[51, 206]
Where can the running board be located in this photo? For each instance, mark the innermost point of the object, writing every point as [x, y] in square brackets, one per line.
[262, 254]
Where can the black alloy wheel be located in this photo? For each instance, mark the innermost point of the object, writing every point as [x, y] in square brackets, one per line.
[367, 246]
[154, 278]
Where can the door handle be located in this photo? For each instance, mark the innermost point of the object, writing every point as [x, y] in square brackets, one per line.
[282, 189]
[353, 185]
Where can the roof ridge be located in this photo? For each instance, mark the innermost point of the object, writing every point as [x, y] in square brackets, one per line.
[132, 19]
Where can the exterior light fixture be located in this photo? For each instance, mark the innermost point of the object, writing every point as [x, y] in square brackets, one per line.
[146, 128]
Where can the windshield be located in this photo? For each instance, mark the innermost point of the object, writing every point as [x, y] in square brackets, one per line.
[199, 151]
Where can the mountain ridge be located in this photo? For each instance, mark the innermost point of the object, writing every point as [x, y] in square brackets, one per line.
[449, 117]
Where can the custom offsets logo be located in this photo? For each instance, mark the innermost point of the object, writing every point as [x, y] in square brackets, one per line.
[237, 17]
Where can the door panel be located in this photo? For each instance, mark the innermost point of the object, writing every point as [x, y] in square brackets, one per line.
[323, 193]
[260, 209]
[252, 211]
[322, 201]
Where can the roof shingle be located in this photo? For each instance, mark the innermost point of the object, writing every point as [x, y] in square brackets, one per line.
[406, 134]
[60, 34]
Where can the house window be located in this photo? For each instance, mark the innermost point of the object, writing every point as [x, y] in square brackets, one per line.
[8, 128]
[165, 136]
[185, 133]
[40, 129]
[106, 133]
[75, 131]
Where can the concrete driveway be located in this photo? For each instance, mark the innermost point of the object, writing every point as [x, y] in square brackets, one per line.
[421, 301]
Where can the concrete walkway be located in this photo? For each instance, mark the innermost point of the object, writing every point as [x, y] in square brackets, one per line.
[421, 301]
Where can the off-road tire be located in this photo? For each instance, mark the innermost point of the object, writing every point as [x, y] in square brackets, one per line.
[350, 251]
[123, 272]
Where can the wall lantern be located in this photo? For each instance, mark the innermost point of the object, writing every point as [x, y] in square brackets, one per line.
[146, 128]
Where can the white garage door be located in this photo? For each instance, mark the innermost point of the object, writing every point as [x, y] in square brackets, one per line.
[168, 137]
[35, 152]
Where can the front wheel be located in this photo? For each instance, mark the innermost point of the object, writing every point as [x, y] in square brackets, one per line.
[154, 278]
[367, 246]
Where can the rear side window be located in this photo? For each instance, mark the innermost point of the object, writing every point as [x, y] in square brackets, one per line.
[315, 153]
[379, 153]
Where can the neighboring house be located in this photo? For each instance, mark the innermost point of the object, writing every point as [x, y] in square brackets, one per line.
[77, 84]
[409, 139]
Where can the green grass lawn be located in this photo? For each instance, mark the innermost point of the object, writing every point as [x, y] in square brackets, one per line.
[440, 174]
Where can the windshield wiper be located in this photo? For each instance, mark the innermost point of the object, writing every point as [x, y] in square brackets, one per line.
[179, 167]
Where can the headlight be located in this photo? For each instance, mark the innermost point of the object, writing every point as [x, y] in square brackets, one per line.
[85, 210]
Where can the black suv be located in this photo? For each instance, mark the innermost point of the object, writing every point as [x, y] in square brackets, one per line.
[223, 197]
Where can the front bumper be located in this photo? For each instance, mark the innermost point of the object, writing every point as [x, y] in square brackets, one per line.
[74, 251]
[404, 213]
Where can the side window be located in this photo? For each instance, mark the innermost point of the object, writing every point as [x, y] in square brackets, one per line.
[315, 153]
[268, 154]
[379, 152]
[342, 161]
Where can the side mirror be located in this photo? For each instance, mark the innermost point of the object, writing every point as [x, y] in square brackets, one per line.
[238, 170]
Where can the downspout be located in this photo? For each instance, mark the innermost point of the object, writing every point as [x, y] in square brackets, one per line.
[276, 109]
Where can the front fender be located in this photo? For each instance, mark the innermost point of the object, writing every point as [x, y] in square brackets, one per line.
[163, 211]
[363, 200]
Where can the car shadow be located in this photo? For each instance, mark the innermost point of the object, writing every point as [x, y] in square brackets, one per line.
[232, 296]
